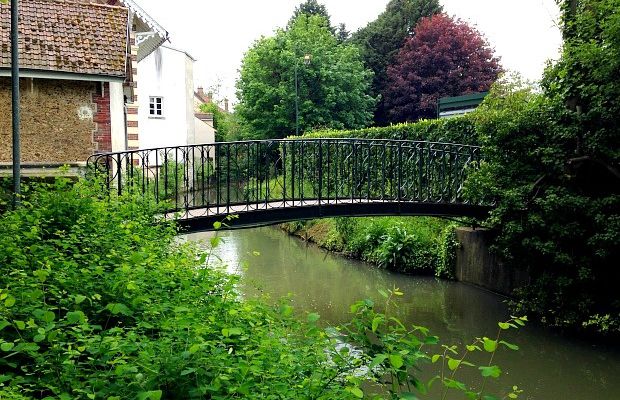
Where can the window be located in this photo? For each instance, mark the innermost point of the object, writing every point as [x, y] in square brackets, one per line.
[156, 106]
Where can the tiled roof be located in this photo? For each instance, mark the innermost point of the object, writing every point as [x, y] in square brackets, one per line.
[66, 36]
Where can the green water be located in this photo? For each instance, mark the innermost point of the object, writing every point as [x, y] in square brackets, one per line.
[547, 366]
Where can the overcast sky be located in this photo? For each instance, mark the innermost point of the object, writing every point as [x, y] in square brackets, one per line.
[524, 33]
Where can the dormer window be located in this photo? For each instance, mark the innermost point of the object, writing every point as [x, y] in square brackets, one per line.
[156, 106]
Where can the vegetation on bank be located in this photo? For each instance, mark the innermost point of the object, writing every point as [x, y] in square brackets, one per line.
[99, 302]
[421, 245]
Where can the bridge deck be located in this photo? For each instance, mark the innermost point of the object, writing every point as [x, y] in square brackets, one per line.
[273, 212]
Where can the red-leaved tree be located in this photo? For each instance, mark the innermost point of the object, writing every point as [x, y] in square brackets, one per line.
[443, 57]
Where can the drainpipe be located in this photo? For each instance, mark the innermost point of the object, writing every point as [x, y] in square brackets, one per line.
[125, 125]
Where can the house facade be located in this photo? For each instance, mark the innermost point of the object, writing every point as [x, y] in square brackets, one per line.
[78, 83]
[74, 77]
[166, 115]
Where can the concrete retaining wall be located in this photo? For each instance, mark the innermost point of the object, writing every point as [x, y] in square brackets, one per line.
[476, 265]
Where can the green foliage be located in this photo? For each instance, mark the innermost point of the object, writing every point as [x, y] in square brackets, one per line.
[99, 302]
[382, 38]
[393, 350]
[312, 7]
[451, 130]
[227, 125]
[333, 87]
[551, 165]
[421, 245]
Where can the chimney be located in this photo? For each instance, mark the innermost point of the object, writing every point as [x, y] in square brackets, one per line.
[226, 105]
[201, 91]
[209, 97]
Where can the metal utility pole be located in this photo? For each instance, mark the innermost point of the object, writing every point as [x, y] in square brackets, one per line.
[307, 59]
[15, 103]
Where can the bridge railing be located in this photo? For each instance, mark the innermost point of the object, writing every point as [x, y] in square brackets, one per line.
[230, 177]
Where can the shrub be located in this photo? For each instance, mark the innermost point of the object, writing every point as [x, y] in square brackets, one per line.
[451, 130]
[98, 301]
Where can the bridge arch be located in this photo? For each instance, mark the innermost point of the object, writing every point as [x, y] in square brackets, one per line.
[271, 181]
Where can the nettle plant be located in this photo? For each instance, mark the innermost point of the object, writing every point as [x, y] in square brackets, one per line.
[396, 355]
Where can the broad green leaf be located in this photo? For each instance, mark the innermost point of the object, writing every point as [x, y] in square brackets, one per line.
[3, 324]
[217, 225]
[79, 298]
[493, 371]
[408, 396]
[9, 302]
[487, 397]
[76, 317]
[453, 364]
[150, 395]
[48, 316]
[21, 325]
[454, 384]
[357, 392]
[235, 331]
[6, 346]
[383, 293]
[396, 360]
[375, 322]
[509, 345]
[489, 345]
[435, 358]
[118, 308]
[379, 358]
[504, 325]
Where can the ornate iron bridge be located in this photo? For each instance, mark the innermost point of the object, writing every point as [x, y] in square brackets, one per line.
[269, 181]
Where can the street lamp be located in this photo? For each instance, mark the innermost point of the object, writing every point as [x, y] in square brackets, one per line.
[307, 60]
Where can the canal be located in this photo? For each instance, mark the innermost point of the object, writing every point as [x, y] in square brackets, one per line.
[547, 366]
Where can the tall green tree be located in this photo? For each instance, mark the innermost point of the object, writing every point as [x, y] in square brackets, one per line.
[333, 84]
[312, 7]
[382, 38]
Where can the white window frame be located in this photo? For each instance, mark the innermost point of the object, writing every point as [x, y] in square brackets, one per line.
[153, 111]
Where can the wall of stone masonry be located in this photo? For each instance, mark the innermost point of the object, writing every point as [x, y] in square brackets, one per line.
[61, 120]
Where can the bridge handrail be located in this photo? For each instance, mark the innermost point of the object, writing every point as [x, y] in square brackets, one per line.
[287, 140]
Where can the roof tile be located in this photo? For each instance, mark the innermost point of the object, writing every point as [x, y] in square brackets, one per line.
[67, 36]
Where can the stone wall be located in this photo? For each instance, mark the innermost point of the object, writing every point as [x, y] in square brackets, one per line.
[476, 264]
[57, 120]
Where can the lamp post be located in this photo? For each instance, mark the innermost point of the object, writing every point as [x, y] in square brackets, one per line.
[15, 103]
[307, 59]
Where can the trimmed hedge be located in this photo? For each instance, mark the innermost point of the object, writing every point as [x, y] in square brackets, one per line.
[459, 129]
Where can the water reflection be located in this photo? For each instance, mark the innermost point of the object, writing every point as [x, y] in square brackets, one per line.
[547, 366]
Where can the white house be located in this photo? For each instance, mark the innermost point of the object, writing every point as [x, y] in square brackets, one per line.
[166, 95]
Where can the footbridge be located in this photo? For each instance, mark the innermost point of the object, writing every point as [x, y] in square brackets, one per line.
[263, 182]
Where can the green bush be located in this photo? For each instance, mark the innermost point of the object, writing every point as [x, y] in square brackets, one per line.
[459, 129]
[557, 206]
[97, 301]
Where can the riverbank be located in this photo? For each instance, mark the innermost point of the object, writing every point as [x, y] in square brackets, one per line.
[420, 245]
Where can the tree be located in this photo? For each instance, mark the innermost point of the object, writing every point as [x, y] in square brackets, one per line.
[552, 166]
[342, 33]
[443, 57]
[312, 7]
[382, 38]
[333, 87]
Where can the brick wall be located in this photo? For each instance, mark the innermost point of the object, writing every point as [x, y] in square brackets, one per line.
[58, 120]
[102, 136]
